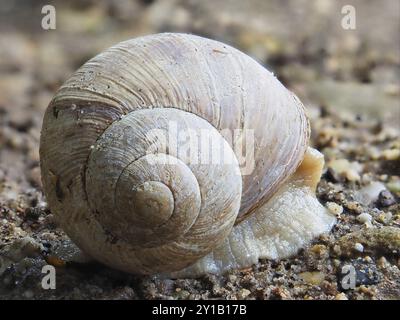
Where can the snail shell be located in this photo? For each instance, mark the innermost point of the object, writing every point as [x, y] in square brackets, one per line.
[137, 203]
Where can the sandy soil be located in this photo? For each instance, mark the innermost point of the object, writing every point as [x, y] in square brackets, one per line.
[349, 80]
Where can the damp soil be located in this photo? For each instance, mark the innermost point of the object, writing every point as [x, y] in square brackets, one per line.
[350, 83]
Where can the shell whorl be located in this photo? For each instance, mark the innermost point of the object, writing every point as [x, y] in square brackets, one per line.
[94, 149]
[148, 194]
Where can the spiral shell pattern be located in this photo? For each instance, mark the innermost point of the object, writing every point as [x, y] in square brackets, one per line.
[153, 211]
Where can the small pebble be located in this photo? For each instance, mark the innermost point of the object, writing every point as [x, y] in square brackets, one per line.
[354, 206]
[368, 259]
[391, 154]
[383, 177]
[319, 249]
[350, 170]
[184, 294]
[244, 293]
[314, 278]
[366, 290]
[337, 250]
[364, 218]
[374, 153]
[394, 186]
[352, 175]
[384, 217]
[341, 296]
[359, 247]
[386, 199]
[334, 208]
[55, 261]
[382, 262]
[336, 262]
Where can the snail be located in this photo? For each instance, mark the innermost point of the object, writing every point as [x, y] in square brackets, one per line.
[137, 202]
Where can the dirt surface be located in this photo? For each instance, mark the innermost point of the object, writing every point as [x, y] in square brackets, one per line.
[349, 80]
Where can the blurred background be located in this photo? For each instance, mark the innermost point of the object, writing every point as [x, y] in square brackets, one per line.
[302, 41]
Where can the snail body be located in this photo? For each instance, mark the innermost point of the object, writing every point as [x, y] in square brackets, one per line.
[141, 204]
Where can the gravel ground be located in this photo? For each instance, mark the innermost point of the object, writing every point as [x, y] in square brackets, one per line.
[350, 83]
